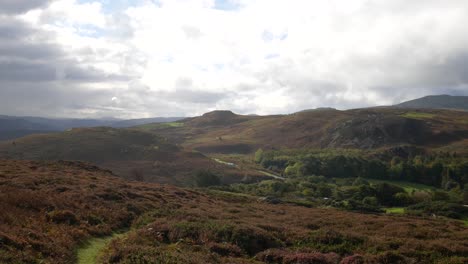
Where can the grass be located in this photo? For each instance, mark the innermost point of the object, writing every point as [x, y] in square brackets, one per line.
[192, 226]
[160, 125]
[395, 210]
[408, 186]
[465, 221]
[418, 115]
[89, 253]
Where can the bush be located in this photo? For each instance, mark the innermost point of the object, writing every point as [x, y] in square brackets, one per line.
[225, 249]
[288, 257]
[447, 209]
[354, 259]
[206, 178]
[62, 217]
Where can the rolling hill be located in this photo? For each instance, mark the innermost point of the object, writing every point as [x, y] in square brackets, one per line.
[372, 128]
[14, 127]
[50, 210]
[437, 102]
[129, 153]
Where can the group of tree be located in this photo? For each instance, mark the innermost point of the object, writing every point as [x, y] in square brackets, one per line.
[442, 171]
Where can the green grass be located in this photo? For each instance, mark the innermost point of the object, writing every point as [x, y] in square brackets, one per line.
[89, 253]
[395, 210]
[465, 221]
[408, 186]
[160, 125]
[418, 115]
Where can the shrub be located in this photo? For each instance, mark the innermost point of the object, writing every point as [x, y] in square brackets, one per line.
[225, 249]
[206, 178]
[288, 257]
[354, 259]
[452, 210]
[62, 217]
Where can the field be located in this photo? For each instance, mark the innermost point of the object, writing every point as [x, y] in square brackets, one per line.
[356, 186]
[408, 186]
[418, 115]
[56, 208]
[395, 210]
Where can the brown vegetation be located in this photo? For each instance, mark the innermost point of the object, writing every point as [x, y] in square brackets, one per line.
[131, 154]
[328, 128]
[49, 208]
[237, 229]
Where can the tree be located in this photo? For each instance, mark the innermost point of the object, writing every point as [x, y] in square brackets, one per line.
[259, 155]
[385, 193]
[206, 178]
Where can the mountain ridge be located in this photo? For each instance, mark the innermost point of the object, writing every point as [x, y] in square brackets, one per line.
[437, 102]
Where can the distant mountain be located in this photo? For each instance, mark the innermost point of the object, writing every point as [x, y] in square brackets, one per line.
[144, 121]
[227, 133]
[12, 127]
[437, 102]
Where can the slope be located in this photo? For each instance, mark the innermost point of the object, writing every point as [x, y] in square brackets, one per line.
[328, 128]
[129, 153]
[51, 208]
[12, 127]
[437, 102]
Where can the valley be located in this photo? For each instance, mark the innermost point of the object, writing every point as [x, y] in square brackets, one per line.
[378, 185]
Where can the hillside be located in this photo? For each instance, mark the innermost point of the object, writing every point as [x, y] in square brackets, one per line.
[328, 128]
[12, 127]
[50, 210]
[437, 102]
[129, 153]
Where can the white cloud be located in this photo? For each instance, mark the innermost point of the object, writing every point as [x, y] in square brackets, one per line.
[264, 56]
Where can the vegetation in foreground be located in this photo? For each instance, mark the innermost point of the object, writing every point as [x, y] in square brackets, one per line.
[53, 208]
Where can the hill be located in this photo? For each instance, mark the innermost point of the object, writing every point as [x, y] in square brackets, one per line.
[130, 153]
[12, 127]
[328, 128]
[51, 209]
[437, 102]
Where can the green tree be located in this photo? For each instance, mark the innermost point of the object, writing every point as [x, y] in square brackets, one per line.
[259, 155]
[205, 178]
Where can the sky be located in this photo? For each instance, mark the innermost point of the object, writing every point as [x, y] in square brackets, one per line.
[147, 58]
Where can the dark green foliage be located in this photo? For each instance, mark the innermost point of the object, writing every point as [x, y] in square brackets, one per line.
[436, 169]
[447, 209]
[386, 193]
[206, 178]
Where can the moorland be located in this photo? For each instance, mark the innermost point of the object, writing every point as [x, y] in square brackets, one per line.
[374, 185]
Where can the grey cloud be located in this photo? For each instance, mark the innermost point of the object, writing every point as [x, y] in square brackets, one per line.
[22, 59]
[21, 6]
[13, 29]
[30, 51]
[40, 77]
[46, 99]
[27, 71]
[192, 96]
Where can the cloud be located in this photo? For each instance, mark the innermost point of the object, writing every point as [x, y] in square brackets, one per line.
[21, 6]
[186, 57]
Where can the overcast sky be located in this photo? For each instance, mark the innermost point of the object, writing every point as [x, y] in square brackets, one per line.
[142, 58]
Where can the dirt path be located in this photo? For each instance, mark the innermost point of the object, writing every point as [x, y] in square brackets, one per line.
[89, 253]
[269, 174]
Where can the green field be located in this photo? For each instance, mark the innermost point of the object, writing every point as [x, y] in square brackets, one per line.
[160, 125]
[408, 186]
[395, 210]
[418, 115]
